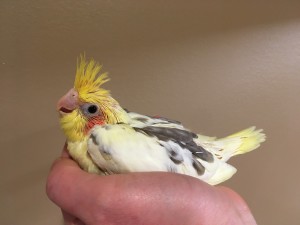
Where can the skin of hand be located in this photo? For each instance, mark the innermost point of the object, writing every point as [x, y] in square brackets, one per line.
[141, 198]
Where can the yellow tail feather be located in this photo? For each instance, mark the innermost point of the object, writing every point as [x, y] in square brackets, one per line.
[251, 139]
[239, 143]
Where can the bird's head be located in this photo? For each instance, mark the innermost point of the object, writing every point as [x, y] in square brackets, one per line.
[87, 104]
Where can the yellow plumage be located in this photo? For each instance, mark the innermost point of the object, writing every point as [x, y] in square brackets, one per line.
[88, 82]
[238, 143]
[250, 138]
[103, 138]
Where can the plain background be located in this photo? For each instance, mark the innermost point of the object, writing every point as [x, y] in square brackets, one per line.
[217, 66]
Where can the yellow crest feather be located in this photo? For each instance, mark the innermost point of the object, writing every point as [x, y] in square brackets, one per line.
[88, 81]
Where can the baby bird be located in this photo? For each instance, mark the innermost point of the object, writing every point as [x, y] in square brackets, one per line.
[105, 138]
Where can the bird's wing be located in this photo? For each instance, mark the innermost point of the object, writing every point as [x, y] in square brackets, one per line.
[167, 130]
[149, 144]
[139, 120]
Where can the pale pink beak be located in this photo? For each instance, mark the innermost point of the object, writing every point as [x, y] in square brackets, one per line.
[68, 102]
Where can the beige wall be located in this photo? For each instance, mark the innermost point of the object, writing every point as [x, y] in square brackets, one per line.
[218, 66]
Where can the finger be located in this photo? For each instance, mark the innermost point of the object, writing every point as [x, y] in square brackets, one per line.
[71, 220]
[238, 205]
[64, 180]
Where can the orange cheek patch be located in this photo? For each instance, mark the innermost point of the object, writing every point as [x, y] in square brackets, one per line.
[92, 122]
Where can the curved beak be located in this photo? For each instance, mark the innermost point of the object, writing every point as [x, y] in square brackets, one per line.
[68, 102]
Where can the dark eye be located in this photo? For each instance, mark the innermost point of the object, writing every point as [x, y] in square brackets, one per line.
[90, 110]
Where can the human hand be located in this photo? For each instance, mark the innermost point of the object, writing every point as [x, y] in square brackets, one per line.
[141, 198]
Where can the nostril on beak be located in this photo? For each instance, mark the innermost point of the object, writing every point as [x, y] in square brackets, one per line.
[68, 102]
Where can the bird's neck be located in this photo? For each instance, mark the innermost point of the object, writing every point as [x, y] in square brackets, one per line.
[113, 113]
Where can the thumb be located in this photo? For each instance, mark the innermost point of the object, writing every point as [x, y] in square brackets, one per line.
[66, 182]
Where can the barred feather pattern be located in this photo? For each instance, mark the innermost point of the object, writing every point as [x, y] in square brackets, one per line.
[158, 144]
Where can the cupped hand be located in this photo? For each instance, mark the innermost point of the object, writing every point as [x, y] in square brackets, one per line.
[141, 198]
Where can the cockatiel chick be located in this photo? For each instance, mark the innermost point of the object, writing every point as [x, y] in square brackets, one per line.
[106, 139]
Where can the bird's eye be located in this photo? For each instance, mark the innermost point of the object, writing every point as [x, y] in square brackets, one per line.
[90, 109]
